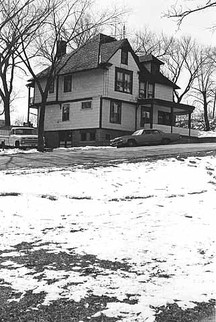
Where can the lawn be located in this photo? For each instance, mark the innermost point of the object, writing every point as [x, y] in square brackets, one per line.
[131, 242]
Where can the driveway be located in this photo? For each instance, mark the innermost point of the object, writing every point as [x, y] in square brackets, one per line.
[99, 156]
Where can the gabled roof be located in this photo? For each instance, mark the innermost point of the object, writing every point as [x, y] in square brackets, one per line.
[98, 51]
[94, 54]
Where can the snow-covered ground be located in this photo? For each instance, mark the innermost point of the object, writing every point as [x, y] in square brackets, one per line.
[156, 220]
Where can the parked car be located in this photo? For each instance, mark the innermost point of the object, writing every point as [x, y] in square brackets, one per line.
[145, 137]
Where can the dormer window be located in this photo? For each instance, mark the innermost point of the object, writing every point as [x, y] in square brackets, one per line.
[124, 56]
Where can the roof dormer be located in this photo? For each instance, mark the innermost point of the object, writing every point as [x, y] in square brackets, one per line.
[151, 63]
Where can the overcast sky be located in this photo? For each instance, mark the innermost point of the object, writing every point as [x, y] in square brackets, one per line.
[149, 13]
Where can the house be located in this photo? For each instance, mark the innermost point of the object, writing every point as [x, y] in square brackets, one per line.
[104, 90]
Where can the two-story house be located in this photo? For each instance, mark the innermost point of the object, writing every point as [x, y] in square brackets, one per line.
[104, 90]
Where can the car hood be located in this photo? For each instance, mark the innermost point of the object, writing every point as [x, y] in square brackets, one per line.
[124, 137]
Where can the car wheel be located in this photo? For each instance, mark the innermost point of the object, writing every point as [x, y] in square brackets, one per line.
[132, 143]
[165, 141]
[17, 144]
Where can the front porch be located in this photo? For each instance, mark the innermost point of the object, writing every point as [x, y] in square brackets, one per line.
[162, 114]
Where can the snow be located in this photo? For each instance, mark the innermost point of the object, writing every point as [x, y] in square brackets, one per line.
[156, 218]
[206, 134]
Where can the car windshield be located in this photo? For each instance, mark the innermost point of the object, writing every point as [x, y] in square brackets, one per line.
[138, 132]
[23, 131]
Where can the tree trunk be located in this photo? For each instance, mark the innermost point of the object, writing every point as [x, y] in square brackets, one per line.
[205, 107]
[41, 127]
[7, 112]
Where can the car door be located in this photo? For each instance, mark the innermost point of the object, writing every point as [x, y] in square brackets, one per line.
[156, 137]
[146, 137]
[151, 137]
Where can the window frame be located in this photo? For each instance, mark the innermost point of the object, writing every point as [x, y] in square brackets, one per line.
[115, 118]
[142, 91]
[150, 90]
[67, 83]
[164, 118]
[85, 107]
[65, 112]
[87, 135]
[124, 83]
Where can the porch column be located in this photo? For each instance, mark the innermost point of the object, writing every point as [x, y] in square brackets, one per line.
[189, 123]
[171, 119]
[151, 116]
[29, 98]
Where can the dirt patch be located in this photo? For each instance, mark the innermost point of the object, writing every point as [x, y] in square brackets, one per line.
[174, 313]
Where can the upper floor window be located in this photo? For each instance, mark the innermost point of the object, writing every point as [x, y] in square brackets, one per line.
[65, 112]
[146, 90]
[51, 86]
[124, 56]
[123, 81]
[150, 92]
[86, 105]
[115, 112]
[142, 90]
[67, 83]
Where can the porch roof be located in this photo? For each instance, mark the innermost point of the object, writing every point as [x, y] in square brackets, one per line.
[156, 101]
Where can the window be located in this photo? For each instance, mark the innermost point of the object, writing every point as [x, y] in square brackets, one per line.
[142, 90]
[88, 135]
[164, 118]
[150, 90]
[107, 137]
[123, 81]
[67, 83]
[51, 87]
[83, 136]
[115, 112]
[124, 56]
[65, 112]
[86, 105]
[145, 116]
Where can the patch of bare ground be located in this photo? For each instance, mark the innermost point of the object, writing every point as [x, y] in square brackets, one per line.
[174, 313]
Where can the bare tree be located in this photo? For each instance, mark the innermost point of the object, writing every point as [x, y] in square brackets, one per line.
[182, 65]
[177, 54]
[71, 20]
[180, 12]
[146, 42]
[204, 87]
[15, 25]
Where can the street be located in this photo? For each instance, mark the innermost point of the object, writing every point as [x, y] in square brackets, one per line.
[98, 155]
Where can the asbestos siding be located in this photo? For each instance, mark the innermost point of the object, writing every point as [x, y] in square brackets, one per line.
[109, 81]
[163, 92]
[127, 117]
[84, 84]
[78, 118]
